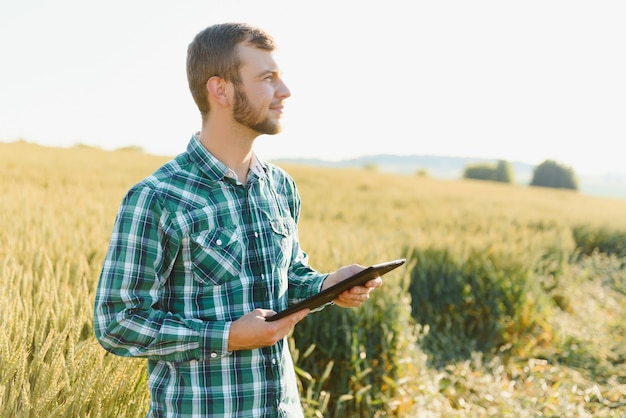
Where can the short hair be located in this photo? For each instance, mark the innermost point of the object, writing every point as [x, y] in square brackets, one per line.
[213, 53]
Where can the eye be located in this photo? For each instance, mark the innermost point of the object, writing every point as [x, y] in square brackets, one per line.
[271, 76]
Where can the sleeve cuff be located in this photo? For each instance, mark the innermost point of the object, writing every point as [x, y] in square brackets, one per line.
[314, 290]
[318, 288]
[214, 340]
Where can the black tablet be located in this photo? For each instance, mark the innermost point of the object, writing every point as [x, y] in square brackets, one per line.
[330, 294]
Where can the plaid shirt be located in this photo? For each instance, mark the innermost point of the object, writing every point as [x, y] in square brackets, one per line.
[191, 251]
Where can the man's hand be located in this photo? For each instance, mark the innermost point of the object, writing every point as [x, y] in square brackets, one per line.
[252, 331]
[356, 295]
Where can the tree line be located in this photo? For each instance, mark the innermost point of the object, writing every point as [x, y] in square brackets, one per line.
[547, 174]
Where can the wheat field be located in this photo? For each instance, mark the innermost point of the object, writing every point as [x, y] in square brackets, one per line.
[57, 208]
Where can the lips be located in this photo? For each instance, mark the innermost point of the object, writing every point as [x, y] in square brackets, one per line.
[277, 109]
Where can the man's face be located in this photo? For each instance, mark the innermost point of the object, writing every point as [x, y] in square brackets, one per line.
[258, 98]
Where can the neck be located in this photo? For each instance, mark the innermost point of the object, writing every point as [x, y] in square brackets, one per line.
[233, 150]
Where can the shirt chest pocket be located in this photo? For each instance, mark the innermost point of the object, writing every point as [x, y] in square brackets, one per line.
[216, 255]
[283, 230]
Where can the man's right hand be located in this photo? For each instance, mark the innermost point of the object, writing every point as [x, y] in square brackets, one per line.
[252, 331]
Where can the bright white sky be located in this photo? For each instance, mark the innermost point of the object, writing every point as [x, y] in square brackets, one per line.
[515, 80]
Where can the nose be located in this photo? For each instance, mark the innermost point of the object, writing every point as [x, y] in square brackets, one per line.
[282, 91]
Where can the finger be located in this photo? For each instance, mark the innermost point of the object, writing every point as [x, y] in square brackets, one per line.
[349, 302]
[359, 290]
[377, 282]
[350, 296]
[295, 317]
[300, 315]
[266, 313]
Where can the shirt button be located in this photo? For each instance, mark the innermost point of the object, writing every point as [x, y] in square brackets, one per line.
[218, 242]
[256, 234]
[273, 361]
[213, 355]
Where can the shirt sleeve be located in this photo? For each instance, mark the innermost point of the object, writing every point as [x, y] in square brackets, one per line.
[304, 281]
[127, 318]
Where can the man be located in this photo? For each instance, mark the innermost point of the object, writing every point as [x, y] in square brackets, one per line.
[206, 248]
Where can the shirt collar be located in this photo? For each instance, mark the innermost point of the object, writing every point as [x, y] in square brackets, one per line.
[214, 168]
[255, 167]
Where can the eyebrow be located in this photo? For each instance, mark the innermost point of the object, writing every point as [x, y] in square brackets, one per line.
[270, 72]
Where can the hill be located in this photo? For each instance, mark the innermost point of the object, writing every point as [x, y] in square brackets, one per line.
[612, 185]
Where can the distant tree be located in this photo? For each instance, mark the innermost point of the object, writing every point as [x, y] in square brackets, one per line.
[130, 148]
[552, 174]
[422, 172]
[80, 145]
[502, 172]
[370, 167]
[480, 172]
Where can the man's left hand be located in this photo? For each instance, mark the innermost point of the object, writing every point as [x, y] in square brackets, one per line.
[356, 295]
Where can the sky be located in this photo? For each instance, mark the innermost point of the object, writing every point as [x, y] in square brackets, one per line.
[514, 80]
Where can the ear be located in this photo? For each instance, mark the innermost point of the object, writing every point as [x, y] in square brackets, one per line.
[217, 88]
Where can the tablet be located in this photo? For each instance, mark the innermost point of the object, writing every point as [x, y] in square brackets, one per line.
[330, 294]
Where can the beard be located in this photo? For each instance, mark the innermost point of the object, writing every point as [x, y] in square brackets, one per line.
[245, 114]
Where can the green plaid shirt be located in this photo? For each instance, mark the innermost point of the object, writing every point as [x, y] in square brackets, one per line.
[191, 251]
